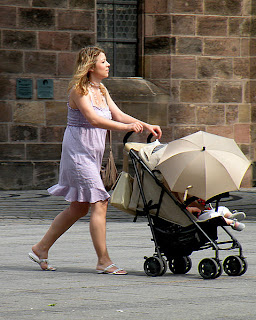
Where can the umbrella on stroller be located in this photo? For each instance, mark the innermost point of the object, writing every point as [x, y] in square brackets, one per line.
[206, 163]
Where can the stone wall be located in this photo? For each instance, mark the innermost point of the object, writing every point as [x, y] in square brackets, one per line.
[203, 52]
[39, 40]
[196, 60]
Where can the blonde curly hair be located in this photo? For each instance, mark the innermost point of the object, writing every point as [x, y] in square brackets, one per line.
[86, 60]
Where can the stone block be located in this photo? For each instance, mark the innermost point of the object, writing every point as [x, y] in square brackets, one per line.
[81, 4]
[8, 87]
[227, 92]
[222, 47]
[182, 113]
[23, 133]
[11, 61]
[232, 114]
[19, 39]
[29, 112]
[183, 25]
[247, 179]
[240, 27]
[162, 25]
[50, 3]
[76, 20]
[174, 90]
[195, 91]
[56, 113]
[32, 18]
[24, 3]
[159, 45]
[183, 131]
[250, 45]
[16, 175]
[136, 109]
[3, 132]
[253, 113]
[242, 133]
[157, 114]
[242, 68]
[156, 6]
[252, 73]
[80, 40]
[250, 92]
[147, 67]
[253, 135]
[187, 6]
[5, 111]
[60, 89]
[189, 45]
[244, 113]
[149, 25]
[167, 135]
[210, 115]
[245, 47]
[212, 26]
[253, 27]
[40, 63]
[183, 67]
[51, 134]
[48, 40]
[8, 18]
[210, 68]
[45, 174]
[43, 151]
[160, 67]
[66, 63]
[223, 7]
[225, 131]
[13, 151]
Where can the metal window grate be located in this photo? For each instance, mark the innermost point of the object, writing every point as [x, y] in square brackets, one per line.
[117, 34]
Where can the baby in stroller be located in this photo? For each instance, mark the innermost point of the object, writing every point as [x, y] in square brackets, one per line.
[204, 211]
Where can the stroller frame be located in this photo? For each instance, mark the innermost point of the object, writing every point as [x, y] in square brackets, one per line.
[208, 268]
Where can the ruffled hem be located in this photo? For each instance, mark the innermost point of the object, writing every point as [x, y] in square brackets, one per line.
[72, 194]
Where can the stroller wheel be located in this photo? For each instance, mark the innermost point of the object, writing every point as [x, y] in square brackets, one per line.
[245, 265]
[180, 265]
[234, 266]
[208, 268]
[154, 267]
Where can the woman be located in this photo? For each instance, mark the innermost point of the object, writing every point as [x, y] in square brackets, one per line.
[91, 111]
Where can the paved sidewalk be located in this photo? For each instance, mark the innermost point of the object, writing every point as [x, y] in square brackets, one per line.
[75, 291]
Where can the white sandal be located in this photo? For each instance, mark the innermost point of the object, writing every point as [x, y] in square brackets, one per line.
[105, 271]
[36, 259]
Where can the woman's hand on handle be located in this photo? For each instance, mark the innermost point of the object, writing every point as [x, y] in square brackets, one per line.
[155, 130]
[135, 126]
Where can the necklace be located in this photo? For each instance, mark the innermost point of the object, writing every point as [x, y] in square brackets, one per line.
[100, 104]
[93, 84]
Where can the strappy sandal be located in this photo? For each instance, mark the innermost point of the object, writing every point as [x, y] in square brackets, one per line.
[36, 259]
[105, 271]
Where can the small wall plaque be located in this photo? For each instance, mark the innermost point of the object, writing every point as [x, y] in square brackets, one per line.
[45, 88]
[24, 88]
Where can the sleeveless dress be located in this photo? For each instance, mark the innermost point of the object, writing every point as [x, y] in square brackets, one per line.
[81, 158]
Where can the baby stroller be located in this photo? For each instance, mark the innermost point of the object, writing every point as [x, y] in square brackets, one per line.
[176, 232]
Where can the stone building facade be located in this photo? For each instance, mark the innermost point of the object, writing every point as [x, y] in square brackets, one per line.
[196, 63]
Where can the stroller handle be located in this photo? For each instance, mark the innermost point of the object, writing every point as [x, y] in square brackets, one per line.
[128, 134]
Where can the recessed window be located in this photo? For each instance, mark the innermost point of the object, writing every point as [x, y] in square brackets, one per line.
[117, 34]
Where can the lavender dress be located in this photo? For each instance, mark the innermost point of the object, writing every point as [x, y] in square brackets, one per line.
[82, 152]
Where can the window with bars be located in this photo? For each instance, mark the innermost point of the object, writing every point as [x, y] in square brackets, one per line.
[117, 22]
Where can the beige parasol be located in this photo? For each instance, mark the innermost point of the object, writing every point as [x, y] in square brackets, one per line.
[207, 163]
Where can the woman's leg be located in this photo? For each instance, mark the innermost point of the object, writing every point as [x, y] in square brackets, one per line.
[98, 234]
[60, 224]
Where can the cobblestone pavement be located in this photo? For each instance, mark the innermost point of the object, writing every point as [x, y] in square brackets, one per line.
[38, 204]
[76, 292]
